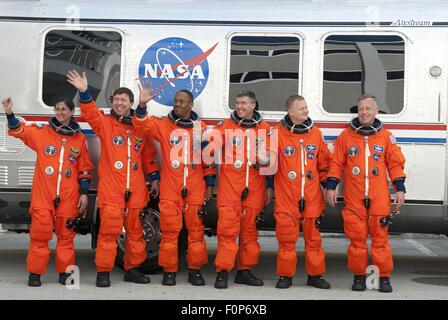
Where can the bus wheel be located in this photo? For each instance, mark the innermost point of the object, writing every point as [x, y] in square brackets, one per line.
[150, 219]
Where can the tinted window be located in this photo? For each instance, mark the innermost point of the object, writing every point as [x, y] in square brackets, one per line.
[268, 66]
[363, 64]
[97, 53]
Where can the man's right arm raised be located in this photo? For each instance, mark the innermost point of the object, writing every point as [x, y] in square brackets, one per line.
[89, 111]
[142, 121]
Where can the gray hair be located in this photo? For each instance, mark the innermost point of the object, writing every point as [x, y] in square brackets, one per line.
[367, 96]
[247, 93]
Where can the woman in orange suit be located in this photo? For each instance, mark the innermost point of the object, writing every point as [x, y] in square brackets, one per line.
[60, 186]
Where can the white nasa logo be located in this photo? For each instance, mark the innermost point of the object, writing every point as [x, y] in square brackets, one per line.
[292, 175]
[49, 170]
[238, 164]
[118, 165]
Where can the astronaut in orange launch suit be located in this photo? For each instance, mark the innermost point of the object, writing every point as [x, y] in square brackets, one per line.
[364, 154]
[126, 156]
[61, 182]
[303, 161]
[185, 181]
[242, 190]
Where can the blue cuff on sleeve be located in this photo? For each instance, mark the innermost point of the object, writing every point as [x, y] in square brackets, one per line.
[210, 180]
[85, 96]
[154, 176]
[13, 122]
[399, 184]
[324, 184]
[84, 186]
[140, 112]
[270, 182]
[332, 183]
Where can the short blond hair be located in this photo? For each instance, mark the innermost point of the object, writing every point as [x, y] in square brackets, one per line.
[290, 100]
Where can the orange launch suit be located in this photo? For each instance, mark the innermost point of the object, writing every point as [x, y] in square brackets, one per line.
[237, 217]
[115, 136]
[349, 161]
[173, 207]
[76, 166]
[293, 148]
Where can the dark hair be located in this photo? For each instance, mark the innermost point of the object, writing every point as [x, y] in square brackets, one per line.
[290, 100]
[187, 92]
[124, 90]
[67, 102]
[247, 93]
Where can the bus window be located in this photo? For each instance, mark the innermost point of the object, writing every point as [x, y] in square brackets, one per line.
[268, 66]
[97, 53]
[363, 64]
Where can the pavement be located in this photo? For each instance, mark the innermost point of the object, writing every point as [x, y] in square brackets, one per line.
[420, 272]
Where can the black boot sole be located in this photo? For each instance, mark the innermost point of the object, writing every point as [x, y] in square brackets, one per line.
[102, 285]
[198, 284]
[359, 289]
[135, 281]
[34, 284]
[282, 287]
[64, 282]
[221, 286]
[249, 283]
[318, 286]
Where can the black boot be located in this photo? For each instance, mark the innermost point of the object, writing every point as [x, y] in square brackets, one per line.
[221, 279]
[318, 282]
[247, 277]
[169, 279]
[195, 278]
[102, 279]
[134, 275]
[34, 280]
[359, 283]
[385, 285]
[284, 282]
[63, 278]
